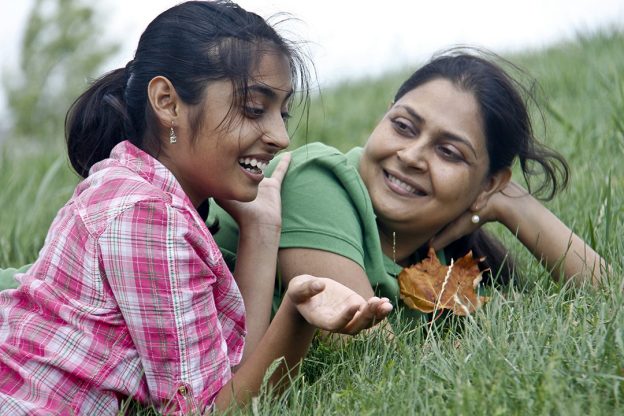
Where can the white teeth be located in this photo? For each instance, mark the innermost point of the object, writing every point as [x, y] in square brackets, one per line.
[253, 165]
[401, 184]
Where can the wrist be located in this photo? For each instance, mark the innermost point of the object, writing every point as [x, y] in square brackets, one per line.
[513, 209]
[259, 231]
[289, 309]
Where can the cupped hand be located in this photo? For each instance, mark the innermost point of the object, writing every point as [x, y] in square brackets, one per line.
[331, 306]
[266, 209]
[507, 198]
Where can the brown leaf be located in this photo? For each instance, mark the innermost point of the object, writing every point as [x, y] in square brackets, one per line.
[426, 287]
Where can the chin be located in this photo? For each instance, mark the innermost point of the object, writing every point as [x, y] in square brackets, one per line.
[247, 197]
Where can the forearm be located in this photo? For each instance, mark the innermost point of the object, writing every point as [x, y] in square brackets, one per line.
[551, 241]
[296, 261]
[255, 276]
[288, 337]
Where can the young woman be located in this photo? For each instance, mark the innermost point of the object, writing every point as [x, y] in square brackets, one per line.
[130, 297]
[436, 167]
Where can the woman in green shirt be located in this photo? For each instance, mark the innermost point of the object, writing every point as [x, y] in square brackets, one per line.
[436, 167]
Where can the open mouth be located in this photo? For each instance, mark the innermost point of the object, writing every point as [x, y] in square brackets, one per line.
[403, 185]
[255, 166]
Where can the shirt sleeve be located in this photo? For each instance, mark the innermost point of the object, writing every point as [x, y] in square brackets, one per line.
[161, 271]
[318, 207]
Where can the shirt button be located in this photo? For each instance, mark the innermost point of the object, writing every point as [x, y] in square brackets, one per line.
[182, 390]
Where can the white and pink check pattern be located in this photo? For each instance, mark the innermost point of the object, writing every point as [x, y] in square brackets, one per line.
[130, 297]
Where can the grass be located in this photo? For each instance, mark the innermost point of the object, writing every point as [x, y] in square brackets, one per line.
[542, 348]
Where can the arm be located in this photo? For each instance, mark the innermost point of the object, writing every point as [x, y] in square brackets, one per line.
[259, 224]
[296, 261]
[542, 232]
[179, 304]
[310, 303]
[561, 251]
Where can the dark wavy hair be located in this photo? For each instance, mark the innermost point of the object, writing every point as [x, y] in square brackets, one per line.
[190, 44]
[509, 136]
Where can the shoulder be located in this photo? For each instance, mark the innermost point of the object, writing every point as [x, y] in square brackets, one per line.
[317, 154]
[102, 197]
[321, 174]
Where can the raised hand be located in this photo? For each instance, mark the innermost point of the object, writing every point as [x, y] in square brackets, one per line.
[331, 306]
[259, 224]
[266, 209]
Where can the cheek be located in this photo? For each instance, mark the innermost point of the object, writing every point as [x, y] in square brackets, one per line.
[379, 143]
[454, 184]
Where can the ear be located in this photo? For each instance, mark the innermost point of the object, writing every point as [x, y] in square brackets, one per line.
[164, 100]
[493, 184]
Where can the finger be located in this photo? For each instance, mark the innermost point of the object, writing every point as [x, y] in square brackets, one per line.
[382, 309]
[281, 168]
[365, 317]
[342, 321]
[300, 291]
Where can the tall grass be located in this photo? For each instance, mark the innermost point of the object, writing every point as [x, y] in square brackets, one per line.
[542, 349]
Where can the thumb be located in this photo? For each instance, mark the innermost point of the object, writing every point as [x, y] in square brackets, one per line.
[282, 166]
[304, 287]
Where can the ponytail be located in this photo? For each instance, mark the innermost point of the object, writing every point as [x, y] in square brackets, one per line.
[97, 121]
[191, 44]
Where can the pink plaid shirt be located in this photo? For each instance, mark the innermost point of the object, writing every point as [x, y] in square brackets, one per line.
[130, 297]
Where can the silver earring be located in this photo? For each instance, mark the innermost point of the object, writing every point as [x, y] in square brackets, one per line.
[172, 135]
[475, 219]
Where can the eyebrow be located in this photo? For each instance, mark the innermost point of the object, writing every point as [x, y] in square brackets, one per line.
[446, 134]
[268, 91]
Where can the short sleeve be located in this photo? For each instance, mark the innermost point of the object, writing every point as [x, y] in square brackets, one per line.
[318, 210]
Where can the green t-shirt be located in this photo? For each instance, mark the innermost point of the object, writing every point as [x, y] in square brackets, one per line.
[325, 206]
[7, 277]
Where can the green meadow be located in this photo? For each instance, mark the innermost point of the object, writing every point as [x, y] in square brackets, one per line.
[538, 348]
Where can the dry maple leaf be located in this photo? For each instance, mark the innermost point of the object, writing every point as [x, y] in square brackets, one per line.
[429, 285]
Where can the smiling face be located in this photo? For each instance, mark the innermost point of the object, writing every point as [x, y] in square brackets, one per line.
[426, 162]
[233, 145]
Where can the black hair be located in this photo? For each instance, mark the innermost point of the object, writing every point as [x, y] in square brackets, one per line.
[508, 133]
[190, 44]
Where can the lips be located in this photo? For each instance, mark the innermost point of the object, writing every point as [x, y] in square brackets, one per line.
[401, 186]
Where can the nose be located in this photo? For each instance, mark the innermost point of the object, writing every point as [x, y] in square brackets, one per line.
[414, 155]
[275, 133]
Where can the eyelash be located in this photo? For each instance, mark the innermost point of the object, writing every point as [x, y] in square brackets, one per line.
[403, 128]
[407, 130]
[450, 155]
[253, 112]
[257, 112]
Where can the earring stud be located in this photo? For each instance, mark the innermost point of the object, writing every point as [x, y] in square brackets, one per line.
[173, 138]
[475, 219]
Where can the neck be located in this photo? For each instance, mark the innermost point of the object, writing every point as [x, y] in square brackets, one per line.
[400, 246]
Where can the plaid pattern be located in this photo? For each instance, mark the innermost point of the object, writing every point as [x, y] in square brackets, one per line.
[130, 297]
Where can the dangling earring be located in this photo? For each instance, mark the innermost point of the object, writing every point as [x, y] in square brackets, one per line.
[172, 135]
